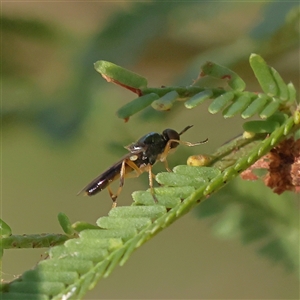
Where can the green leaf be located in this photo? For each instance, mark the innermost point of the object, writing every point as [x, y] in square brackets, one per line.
[283, 92]
[220, 102]
[187, 176]
[72, 264]
[50, 288]
[297, 117]
[165, 102]
[260, 126]
[80, 226]
[269, 109]
[136, 105]
[37, 275]
[173, 179]
[264, 75]
[5, 230]
[237, 106]
[292, 92]
[117, 222]
[146, 198]
[151, 212]
[265, 126]
[198, 99]
[119, 75]
[278, 117]
[206, 173]
[255, 106]
[124, 234]
[178, 191]
[65, 223]
[215, 70]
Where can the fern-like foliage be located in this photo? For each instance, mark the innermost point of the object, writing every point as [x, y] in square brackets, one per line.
[92, 251]
[230, 98]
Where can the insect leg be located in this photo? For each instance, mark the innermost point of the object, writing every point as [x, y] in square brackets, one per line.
[151, 176]
[163, 157]
[112, 196]
[124, 173]
[166, 164]
[139, 171]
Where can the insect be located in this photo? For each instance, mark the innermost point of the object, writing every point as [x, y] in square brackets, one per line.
[142, 155]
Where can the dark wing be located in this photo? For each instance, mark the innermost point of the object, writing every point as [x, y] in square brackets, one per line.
[104, 179]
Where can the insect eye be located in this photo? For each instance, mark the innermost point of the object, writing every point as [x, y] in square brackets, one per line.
[170, 134]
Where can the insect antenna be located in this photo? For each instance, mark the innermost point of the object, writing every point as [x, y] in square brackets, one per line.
[188, 143]
[185, 129]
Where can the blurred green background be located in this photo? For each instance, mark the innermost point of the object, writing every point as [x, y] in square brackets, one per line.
[59, 129]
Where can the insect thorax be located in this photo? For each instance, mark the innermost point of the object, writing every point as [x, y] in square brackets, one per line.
[147, 149]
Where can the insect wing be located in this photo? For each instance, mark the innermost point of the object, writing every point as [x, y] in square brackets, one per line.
[104, 179]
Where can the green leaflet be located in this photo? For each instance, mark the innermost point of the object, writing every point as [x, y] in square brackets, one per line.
[297, 117]
[48, 288]
[166, 101]
[63, 277]
[151, 212]
[119, 222]
[65, 223]
[172, 179]
[79, 226]
[201, 173]
[124, 234]
[265, 126]
[292, 92]
[220, 102]
[136, 105]
[198, 99]
[260, 126]
[215, 70]
[283, 92]
[264, 75]
[145, 198]
[255, 106]
[178, 191]
[5, 230]
[117, 74]
[79, 252]
[237, 106]
[74, 264]
[186, 176]
[269, 109]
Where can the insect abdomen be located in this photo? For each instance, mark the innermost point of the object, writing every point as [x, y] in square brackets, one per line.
[102, 181]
